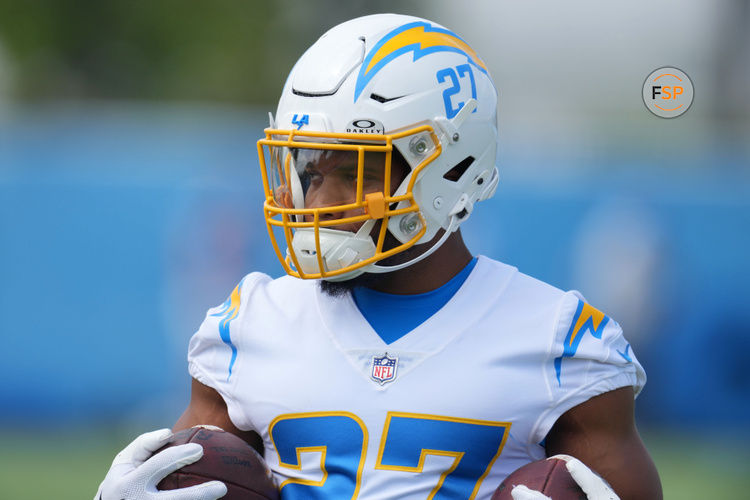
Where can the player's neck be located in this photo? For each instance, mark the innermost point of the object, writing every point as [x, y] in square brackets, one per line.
[428, 274]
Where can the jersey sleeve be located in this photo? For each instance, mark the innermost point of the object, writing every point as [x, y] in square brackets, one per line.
[589, 356]
[215, 348]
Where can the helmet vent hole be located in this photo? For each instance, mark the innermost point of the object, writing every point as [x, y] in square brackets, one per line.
[459, 170]
[381, 99]
[312, 94]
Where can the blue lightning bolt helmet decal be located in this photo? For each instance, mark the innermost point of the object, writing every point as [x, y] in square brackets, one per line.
[228, 311]
[586, 318]
[419, 37]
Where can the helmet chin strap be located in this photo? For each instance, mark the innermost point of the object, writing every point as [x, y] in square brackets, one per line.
[374, 268]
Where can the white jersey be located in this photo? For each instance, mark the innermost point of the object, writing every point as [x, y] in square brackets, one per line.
[446, 411]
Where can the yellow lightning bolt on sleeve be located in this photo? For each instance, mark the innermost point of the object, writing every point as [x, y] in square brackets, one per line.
[234, 304]
[588, 312]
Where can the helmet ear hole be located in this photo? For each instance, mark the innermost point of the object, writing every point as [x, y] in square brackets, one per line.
[459, 170]
[399, 166]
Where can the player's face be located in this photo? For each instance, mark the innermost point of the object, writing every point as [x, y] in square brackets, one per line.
[329, 179]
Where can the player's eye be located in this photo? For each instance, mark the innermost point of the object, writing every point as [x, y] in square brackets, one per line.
[347, 174]
[312, 175]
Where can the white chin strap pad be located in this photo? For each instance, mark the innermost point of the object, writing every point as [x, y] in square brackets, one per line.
[339, 249]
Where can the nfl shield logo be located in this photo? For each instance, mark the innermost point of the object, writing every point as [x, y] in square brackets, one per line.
[384, 368]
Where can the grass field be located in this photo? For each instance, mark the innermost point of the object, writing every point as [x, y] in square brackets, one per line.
[70, 466]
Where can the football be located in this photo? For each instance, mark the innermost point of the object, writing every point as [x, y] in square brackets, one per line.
[226, 457]
[548, 476]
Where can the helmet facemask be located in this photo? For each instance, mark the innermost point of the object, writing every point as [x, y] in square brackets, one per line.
[331, 197]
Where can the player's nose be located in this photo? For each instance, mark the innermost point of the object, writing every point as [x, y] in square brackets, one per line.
[330, 198]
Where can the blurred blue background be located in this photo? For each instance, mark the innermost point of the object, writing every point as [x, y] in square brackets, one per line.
[130, 194]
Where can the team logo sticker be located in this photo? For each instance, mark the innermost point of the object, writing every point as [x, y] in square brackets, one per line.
[384, 368]
[417, 38]
[301, 121]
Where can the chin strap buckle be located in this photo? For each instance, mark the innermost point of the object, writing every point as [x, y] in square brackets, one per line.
[450, 127]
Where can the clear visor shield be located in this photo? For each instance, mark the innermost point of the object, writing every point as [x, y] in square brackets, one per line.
[337, 181]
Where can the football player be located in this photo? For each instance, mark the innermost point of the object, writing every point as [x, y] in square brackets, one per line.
[392, 362]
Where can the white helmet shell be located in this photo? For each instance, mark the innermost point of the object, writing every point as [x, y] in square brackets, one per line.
[387, 73]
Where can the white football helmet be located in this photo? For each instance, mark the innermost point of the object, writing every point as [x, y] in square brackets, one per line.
[386, 119]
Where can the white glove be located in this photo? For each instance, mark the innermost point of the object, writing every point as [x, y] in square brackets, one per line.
[134, 476]
[590, 482]
[522, 492]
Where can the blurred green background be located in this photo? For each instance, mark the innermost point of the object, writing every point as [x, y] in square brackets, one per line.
[70, 466]
[130, 203]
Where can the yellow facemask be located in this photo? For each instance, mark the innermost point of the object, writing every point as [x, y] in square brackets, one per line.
[327, 192]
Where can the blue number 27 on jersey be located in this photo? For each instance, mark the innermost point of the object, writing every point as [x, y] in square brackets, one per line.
[341, 439]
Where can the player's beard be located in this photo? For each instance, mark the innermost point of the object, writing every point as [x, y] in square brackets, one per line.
[342, 288]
